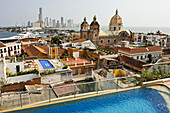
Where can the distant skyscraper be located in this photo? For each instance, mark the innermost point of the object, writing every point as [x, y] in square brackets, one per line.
[66, 23]
[46, 22]
[62, 21]
[58, 24]
[54, 23]
[40, 20]
[29, 24]
[70, 23]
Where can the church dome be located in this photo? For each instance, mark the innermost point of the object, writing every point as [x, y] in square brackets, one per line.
[116, 19]
[115, 22]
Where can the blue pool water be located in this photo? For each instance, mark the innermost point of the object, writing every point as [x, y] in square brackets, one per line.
[46, 64]
[140, 101]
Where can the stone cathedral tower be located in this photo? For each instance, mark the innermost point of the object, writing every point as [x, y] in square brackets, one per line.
[94, 31]
[84, 29]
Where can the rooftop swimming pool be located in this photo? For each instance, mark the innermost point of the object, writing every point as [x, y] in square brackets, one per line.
[46, 64]
[141, 100]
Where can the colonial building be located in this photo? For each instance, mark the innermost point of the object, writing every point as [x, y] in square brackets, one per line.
[10, 48]
[141, 53]
[80, 66]
[110, 37]
[152, 39]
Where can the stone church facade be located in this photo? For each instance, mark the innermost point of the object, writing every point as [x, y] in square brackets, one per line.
[111, 37]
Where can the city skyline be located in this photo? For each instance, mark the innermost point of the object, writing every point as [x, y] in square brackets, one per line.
[146, 13]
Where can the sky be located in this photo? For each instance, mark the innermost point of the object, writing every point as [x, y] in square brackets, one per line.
[134, 13]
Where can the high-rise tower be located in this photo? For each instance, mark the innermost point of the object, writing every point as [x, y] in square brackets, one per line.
[62, 22]
[40, 20]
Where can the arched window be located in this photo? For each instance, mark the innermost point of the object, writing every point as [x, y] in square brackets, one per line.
[101, 41]
[108, 41]
[123, 34]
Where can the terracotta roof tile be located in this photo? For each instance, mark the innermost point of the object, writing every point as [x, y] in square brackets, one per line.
[29, 39]
[2, 45]
[32, 50]
[166, 51]
[140, 50]
[78, 61]
[79, 40]
[66, 90]
[132, 63]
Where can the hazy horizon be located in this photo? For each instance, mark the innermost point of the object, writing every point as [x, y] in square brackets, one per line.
[135, 13]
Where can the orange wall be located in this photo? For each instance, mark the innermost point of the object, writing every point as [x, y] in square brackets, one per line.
[82, 69]
[70, 51]
[53, 51]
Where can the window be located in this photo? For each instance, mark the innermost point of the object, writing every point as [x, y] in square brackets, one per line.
[18, 46]
[114, 28]
[86, 70]
[101, 41]
[141, 57]
[79, 70]
[137, 57]
[53, 51]
[74, 71]
[119, 28]
[4, 49]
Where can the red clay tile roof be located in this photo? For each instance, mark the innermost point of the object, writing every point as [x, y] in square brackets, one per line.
[61, 51]
[166, 51]
[29, 39]
[140, 50]
[66, 90]
[110, 59]
[42, 49]
[2, 45]
[132, 63]
[32, 50]
[78, 61]
[79, 40]
[163, 35]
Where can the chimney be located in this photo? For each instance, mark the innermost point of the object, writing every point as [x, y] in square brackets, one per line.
[67, 59]
[75, 64]
[84, 63]
[92, 62]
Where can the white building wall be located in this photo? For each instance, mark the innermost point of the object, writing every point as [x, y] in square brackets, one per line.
[18, 51]
[1, 70]
[75, 54]
[12, 66]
